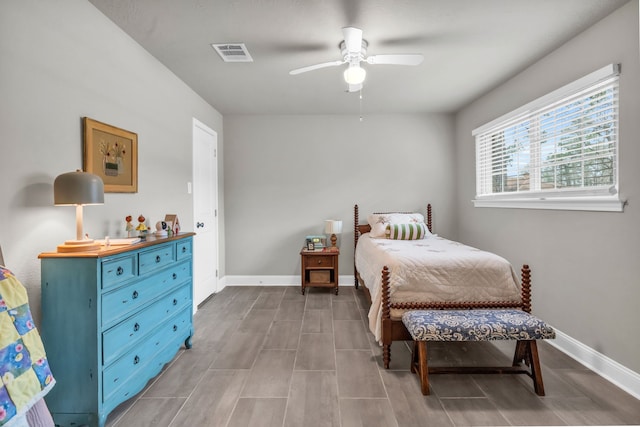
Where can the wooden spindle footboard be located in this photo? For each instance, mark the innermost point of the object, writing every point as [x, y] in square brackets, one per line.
[394, 330]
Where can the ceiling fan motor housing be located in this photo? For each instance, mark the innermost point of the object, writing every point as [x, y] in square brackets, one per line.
[353, 58]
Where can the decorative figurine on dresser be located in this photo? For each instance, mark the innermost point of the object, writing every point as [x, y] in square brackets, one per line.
[111, 319]
[129, 227]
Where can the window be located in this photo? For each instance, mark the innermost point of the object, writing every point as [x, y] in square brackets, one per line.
[557, 152]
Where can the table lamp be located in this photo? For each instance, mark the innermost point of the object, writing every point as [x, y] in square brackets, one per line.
[78, 189]
[333, 227]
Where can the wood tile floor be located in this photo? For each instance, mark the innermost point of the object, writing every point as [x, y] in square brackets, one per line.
[269, 356]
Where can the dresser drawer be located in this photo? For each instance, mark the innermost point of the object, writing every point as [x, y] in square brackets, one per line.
[155, 258]
[184, 250]
[118, 303]
[126, 334]
[118, 270]
[318, 261]
[114, 378]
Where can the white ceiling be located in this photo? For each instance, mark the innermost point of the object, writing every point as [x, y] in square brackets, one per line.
[469, 47]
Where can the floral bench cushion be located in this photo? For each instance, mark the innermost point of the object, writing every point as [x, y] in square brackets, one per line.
[475, 325]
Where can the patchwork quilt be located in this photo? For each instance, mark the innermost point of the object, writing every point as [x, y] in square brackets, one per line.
[25, 376]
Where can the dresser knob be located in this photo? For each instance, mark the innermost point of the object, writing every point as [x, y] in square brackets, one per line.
[184, 249]
[175, 328]
[136, 327]
[157, 259]
[175, 301]
[136, 360]
[175, 276]
[119, 271]
[135, 294]
[319, 261]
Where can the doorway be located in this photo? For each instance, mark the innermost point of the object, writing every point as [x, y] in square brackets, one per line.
[205, 212]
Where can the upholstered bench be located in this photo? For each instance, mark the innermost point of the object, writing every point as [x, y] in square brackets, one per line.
[477, 325]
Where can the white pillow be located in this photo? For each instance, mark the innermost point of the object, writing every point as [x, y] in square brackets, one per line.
[407, 218]
[378, 223]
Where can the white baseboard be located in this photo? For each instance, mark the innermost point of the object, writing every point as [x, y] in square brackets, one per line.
[222, 283]
[602, 365]
[276, 280]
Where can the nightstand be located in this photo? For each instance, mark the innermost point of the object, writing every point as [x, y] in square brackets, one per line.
[319, 268]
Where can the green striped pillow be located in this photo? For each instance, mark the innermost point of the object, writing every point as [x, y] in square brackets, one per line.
[412, 231]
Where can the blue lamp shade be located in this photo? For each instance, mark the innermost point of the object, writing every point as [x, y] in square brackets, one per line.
[78, 189]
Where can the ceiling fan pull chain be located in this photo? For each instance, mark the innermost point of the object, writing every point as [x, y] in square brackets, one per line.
[360, 96]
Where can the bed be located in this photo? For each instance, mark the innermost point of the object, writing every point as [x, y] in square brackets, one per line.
[401, 272]
[24, 384]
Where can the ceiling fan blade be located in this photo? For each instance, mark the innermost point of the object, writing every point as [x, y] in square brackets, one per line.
[316, 67]
[407, 59]
[352, 39]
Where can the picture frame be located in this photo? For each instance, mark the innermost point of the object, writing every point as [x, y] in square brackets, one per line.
[112, 154]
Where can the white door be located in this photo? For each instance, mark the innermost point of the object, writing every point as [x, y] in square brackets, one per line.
[205, 210]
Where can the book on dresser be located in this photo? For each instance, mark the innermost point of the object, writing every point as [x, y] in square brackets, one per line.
[111, 319]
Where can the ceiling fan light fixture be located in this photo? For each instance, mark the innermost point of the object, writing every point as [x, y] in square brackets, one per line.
[355, 75]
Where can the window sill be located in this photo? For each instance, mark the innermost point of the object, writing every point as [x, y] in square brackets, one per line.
[601, 204]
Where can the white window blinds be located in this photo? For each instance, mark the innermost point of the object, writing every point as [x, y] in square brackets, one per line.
[562, 145]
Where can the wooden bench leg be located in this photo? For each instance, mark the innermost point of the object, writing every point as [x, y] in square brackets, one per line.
[536, 372]
[520, 354]
[420, 353]
[527, 352]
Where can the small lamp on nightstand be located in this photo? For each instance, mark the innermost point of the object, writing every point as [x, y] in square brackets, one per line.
[333, 227]
[78, 189]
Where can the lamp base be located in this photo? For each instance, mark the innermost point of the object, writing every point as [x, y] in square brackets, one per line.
[79, 246]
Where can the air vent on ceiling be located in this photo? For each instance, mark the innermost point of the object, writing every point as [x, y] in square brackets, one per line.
[233, 52]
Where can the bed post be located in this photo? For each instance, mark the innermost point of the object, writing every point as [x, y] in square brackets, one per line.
[429, 218]
[356, 235]
[386, 318]
[526, 288]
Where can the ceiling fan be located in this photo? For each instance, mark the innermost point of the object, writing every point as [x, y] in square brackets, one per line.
[354, 51]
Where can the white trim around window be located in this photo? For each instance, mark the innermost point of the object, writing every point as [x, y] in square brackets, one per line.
[557, 152]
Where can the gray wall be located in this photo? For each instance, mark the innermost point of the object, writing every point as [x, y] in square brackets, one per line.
[61, 61]
[284, 175]
[583, 264]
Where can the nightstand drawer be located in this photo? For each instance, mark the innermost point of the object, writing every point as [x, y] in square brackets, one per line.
[118, 270]
[319, 276]
[318, 261]
[156, 258]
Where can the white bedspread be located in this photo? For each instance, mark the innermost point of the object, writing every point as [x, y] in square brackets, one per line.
[432, 269]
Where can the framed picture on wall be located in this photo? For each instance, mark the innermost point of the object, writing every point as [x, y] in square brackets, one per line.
[112, 154]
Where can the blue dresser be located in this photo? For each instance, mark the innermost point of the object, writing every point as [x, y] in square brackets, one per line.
[111, 320]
